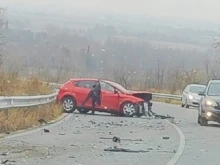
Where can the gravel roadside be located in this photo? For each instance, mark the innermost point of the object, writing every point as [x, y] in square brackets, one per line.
[80, 141]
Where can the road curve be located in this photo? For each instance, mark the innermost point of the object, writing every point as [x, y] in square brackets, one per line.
[77, 141]
[202, 143]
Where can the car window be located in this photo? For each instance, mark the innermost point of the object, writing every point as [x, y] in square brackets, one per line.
[85, 84]
[106, 87]
[214, 89]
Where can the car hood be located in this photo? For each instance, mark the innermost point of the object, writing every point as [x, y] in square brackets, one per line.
[195, 95]
[147, 96]
[215, 98]
[135, 92]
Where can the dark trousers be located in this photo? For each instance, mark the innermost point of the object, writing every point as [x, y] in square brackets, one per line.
[94, 100]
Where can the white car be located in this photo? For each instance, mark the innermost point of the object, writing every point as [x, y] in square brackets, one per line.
[190, 95]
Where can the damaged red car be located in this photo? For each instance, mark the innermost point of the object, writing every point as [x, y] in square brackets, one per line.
[115, 99]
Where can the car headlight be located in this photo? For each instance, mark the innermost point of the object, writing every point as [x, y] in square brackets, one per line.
[209, 102]
[209, 114]
[190, 97]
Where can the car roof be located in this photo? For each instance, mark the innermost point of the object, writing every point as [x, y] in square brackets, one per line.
[90, 79]
[84, 79]
[196, 85]
[214, 81]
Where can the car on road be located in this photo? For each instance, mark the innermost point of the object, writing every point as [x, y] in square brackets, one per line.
[115, 99]
[190, 95]
[209, 107]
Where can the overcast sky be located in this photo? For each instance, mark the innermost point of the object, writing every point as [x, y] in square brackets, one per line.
[195, 9]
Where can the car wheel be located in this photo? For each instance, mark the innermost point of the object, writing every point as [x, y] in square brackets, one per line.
[186, 105]
[69, 104]
[182, 105]
[128, 109]
[198, 119]
[83, 111]
[203, 121]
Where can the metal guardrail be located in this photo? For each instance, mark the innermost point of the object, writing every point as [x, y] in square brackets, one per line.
[167, 96]
[27, 101]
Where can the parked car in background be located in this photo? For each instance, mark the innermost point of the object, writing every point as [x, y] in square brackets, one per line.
[190, 95]
[115, 99]
[209, 107]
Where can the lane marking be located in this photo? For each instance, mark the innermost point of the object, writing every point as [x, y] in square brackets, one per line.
[65, 118]
[181, 147]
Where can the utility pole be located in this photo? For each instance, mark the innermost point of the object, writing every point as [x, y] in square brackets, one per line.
[87, 59]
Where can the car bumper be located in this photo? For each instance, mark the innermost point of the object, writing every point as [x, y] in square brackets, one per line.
[193, 102]
[211, 115]
[144, 107]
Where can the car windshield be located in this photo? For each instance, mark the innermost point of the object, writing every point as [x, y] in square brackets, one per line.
[196, 89]
[214, 89]
[120, 87]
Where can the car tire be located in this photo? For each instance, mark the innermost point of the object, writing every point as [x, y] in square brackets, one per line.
[203, 121]
[182, 105]
[69, 104]
[83, 111]
[128, 109]
[186, 105]
[198, 119]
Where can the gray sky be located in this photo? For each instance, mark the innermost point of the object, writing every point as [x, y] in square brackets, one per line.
[195, 9]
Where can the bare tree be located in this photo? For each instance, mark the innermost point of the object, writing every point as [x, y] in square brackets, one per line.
[2, 22]
[122, 75]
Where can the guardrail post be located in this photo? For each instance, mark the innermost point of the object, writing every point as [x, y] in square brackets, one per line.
[11, 102]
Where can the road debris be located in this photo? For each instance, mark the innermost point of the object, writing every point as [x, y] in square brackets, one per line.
[72, 145]
[5, 153]
[46, 130]
[42, 121]
[163, 117]
[122, 139]
[115, 149]
[7, 161]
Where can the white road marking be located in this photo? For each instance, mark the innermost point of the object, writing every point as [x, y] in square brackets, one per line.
[181, 147]
[56, 123]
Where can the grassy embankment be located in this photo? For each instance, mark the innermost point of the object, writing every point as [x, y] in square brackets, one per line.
[15, 119]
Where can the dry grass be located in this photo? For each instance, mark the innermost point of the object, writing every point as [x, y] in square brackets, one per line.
[16, 119]
[11, 85]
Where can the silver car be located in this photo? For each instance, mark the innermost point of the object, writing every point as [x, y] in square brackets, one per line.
[190, 95]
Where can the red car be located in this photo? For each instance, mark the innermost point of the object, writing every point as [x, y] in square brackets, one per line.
[115, 99]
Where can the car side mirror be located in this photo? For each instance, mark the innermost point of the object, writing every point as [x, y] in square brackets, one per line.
[116, 91]
[201, 93]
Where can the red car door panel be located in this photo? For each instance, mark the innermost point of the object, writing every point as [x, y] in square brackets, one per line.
[110, 100]
[81, 94]
[81, 91]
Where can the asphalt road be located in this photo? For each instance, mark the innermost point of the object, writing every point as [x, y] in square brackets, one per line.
[77, 141]
[202, 143]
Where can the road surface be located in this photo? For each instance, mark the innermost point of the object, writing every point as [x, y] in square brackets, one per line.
[202, 143]
[77, 141]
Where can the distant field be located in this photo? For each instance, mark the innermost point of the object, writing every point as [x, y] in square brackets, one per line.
[173, 45]
[165, 44]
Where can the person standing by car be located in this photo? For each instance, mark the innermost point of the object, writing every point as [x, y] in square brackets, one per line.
[95, 95]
